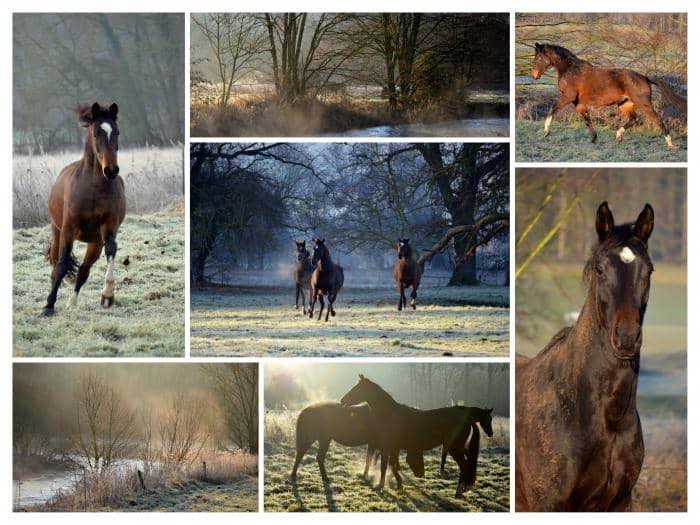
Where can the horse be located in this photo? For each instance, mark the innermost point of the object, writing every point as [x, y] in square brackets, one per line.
[87, 204]
[583, 85]
[579, 444]
[397, 427]
[326, 279]
[302, 274]
[407, 272]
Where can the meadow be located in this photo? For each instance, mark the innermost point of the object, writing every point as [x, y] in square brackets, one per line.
[148, 316]
[347, 491]
[253, 321]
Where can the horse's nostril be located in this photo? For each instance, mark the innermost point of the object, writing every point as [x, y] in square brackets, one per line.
[115, 170]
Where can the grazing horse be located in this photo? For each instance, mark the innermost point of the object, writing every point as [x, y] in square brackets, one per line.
[326, 422]
[302, 274]
[584, 85]
[407, 272]
[87, 204]
[578, 437]
[397, 427]
[326, 279]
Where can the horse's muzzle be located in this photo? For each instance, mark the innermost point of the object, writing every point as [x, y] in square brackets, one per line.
[627, 340]
[536, 73]
[110, 171]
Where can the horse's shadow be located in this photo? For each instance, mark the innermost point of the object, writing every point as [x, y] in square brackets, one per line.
[327, 490]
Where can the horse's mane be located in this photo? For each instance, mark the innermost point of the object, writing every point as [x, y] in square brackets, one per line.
[558, 337]
[383, 392]
[561, 52]
[620, 235]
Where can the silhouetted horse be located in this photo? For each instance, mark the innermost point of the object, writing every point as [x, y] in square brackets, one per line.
[407, 272]
[583, 85]
[87, 204]
[397, 427]
[302, 274]
[578, 438]
[326, 279]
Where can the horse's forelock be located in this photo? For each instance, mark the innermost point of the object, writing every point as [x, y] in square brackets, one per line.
[622, 234]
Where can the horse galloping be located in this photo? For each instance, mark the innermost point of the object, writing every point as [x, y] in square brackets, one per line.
[302, 274]
[397, 427]
[87, 204]
[407, 272]
[326, 279]
[582, 84]
[579, 444]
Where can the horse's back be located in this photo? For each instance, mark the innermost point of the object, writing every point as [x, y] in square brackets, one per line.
[347, 425]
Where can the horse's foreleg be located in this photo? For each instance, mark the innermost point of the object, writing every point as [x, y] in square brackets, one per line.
[110, 241]
[321, 304]
[414, 294]
[296, 298]
[312, 301]
[582, 110]
[558, 105]
[92, 254]
[457, 453]
[382, 478]
[368, 460]
[65, 264]
[401, 297]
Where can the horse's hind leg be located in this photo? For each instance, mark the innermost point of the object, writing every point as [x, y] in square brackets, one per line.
[414, 294]
[110, 242]
[65, 264]
[630, 116]
[394, 463]
[457, 453]
[94, 249]
[321, 456]
[303, 446]
[582, 110]
[368, 460]
[331, 300]
[652, 116]
[53, 249]
[382, 478]
[443, 459]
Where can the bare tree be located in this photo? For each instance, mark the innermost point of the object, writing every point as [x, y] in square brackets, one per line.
[105, 425]
[182, 431]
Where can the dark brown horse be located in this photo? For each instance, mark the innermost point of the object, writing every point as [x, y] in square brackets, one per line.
[397, 427]
[407, 272]
[584, 85]
[326, 279]
[578, 440]
[87, 204]
[302, 274]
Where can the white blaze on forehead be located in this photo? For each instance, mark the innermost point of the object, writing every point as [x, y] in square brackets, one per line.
[107, 128]
[627, 255]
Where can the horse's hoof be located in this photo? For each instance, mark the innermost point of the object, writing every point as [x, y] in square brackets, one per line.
[48, 311]
[546, 134]
[594, 138]
[107, 302]
[332, 313]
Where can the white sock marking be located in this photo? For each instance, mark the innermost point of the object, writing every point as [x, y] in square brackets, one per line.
[669, 143]
[627, 255]
[620, 133]
[547, 124]
[108, 290]
[107, 128]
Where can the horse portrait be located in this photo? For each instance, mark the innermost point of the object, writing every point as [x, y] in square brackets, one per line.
[87, 204]
[579, 443]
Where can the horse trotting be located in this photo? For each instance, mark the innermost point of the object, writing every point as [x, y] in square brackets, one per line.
[584, 85]
[395, 427]
[302, 274]
[87, 204]
[578, 441]
[326, 279]
[407, 272]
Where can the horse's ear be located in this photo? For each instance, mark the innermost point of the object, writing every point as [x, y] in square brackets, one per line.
[113, 110]
[645, 223]
[490, 410]
[604, 222]
[322, 241]
[361, 377]
[538, 46]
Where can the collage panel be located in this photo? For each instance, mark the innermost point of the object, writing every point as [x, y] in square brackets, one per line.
[349, 250]
[136, 437]
[349, 74]
[601, 87]
[336, 433]
[601, 339]
[98, 185]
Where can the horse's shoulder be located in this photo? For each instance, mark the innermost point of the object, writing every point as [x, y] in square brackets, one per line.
[560, 336]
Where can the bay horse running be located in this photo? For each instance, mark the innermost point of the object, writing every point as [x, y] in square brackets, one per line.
[87, 204]
[407, 272]
[584, 85]
[302, 274]
[326, 279]
[578, 440]
[397, 427]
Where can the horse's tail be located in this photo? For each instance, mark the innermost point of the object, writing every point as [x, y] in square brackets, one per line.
[70, 260]
[341, 276]
[472, 456]
[668, 93]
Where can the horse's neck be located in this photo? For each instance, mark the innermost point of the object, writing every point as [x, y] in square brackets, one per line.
[610, 382]
[325, 263]
[562, 64]
[382, 400]
[89, 163]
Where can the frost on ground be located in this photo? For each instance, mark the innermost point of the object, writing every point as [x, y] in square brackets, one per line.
[347, 491]
[148, 316]
[459, 321]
